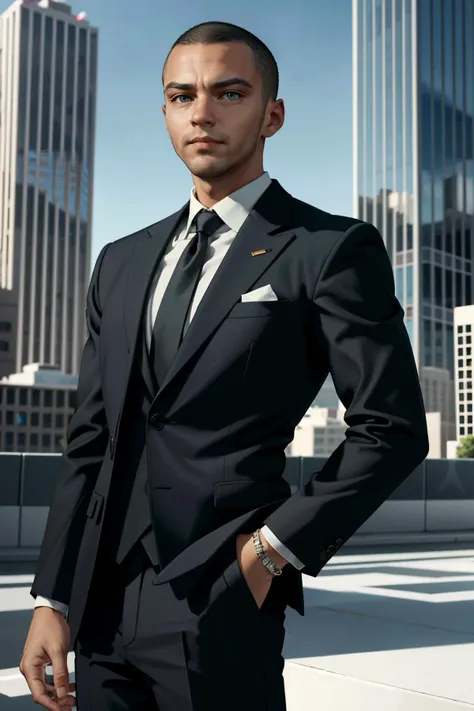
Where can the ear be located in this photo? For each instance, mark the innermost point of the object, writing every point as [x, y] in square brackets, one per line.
[274, 118]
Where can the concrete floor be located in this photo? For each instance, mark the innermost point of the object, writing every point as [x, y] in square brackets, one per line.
[391, 630]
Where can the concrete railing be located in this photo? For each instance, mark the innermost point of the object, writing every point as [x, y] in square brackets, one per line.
[437, 498]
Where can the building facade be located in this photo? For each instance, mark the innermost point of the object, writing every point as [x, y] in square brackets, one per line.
[319, 433]
[48, 78]
[414, 159]
[36, 406]
[464, 329]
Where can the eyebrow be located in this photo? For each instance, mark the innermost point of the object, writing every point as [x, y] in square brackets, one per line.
[233, 81]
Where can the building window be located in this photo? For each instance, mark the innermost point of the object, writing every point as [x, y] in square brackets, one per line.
[10, 396]
[46, 440]
[48, 398]
[34, 419]
[60, 398]
[46, 420]
[468, 329]
[460, 362]
[35, 400]
[462, 419]
[59, 421]
[10, 417]
[33, 440]
[5, 327]
[459, 329]
[9, 439]
[461, 408]
[461, 374]
[21, 439]
[461, 431]
[21, 419]
[468, 339]
[23, 397]
[4, 346]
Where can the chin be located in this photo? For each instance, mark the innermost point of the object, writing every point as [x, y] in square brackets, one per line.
[206, 170]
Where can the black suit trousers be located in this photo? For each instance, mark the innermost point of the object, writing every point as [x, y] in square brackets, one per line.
[141, 648]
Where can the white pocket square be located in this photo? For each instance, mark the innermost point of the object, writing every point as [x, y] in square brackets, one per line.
[264, 293]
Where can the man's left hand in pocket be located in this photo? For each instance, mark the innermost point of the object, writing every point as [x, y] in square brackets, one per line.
[255, 574]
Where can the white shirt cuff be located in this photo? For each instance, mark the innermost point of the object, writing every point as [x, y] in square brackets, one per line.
[54, 604]
[281, 549]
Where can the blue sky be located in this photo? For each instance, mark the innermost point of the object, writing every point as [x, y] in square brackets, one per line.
[138, 177]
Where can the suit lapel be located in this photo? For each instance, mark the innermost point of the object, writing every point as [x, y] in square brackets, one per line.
[238, 272]
[149, 249]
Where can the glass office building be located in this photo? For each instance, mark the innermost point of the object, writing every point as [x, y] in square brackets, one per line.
[48, 70]
[413, 156]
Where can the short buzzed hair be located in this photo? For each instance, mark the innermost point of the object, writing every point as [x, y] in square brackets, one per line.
[220, 32]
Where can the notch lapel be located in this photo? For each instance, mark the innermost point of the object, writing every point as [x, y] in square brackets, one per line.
[149, 249]
[238, 272]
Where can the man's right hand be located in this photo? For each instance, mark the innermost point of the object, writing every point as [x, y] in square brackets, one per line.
[48, 643]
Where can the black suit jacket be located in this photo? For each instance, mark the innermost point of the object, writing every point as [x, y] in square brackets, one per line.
[242, 380]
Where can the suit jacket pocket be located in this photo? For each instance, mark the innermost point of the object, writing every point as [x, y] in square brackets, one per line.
[259, 309]
[249, 493]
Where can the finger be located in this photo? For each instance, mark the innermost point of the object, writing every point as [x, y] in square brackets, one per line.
[60, 674]
[39, 693]
[66, 703]
[50, 688]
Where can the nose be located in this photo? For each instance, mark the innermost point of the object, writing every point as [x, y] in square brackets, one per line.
[203, 113]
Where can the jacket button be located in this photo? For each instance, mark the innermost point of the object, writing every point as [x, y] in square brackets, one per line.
[339, 543]
[156, 421]
[323, 556]
[331, 550]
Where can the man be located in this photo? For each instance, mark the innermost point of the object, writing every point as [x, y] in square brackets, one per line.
[173, 545]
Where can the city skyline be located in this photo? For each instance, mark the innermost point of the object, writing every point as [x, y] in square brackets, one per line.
[138, 178]
[413, 156]
[48, 68]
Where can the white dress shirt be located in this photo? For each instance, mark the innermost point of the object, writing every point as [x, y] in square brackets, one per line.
[233, 211]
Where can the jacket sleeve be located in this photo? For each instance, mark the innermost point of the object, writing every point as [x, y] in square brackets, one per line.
[358, 322]
[87, 439]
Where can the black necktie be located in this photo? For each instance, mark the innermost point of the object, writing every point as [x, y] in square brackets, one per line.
[173, 310]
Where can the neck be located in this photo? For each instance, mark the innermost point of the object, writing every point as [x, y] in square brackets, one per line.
[210, 192]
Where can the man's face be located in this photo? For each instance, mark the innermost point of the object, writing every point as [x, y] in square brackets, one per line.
[215, 112]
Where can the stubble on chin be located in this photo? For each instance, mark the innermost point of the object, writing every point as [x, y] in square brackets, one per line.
[207, 170]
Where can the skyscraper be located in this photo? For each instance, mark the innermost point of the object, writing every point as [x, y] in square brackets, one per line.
[413, 156]
[48, 78]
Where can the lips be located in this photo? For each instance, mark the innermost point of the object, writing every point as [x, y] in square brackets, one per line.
[204, 141]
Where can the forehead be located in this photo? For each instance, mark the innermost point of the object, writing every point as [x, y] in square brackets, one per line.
[210, 62]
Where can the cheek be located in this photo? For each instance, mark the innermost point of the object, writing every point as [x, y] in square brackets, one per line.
[175, 128]
[241, 128]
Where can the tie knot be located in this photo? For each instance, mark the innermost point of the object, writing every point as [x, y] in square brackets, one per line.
[207, 222]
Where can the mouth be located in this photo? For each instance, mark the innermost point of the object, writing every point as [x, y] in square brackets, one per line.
[204, 141]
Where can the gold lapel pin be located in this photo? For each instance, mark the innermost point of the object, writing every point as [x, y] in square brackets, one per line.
[260, 251]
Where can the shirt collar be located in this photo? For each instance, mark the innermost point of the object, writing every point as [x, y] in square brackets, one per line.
[236, 207]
